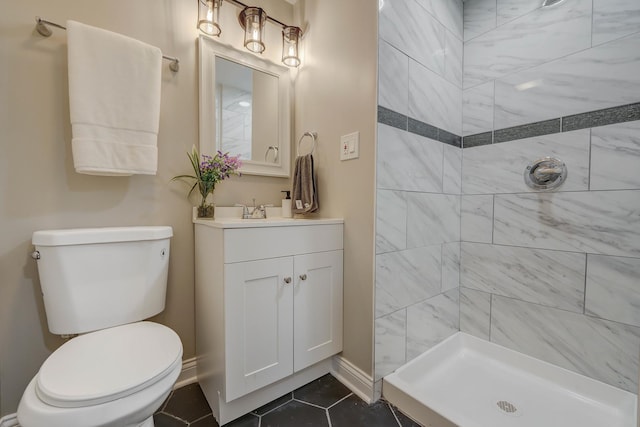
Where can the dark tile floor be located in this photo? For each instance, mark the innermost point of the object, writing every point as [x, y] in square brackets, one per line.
[324, 402]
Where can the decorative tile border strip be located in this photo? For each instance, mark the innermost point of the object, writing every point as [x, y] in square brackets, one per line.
[607, 116]
[401, 121]
[391, 118]
[477, 140]
[526, 131]
[422, 129]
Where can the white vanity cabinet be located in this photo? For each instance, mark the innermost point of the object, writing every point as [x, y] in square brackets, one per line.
[268, 308]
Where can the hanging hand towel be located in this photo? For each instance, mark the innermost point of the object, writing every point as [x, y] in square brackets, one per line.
[114, 100]
[305, 194]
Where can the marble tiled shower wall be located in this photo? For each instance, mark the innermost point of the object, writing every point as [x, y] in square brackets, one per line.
[554, 275]
[418, 179]
[524, 63]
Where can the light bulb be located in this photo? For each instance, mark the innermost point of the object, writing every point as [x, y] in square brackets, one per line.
[209, 11]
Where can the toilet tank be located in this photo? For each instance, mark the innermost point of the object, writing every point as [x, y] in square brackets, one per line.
[95, 278]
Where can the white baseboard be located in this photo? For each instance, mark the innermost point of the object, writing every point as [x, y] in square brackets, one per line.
[10, 420]
[359, 382]
[187, 376]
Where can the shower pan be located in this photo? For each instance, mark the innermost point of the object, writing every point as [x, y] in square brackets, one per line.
[468, 382]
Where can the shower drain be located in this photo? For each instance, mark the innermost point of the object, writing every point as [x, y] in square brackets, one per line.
[507, 407]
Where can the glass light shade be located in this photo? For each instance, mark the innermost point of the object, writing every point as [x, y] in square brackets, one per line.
[252, 19]
[209, 17]
[290, 43]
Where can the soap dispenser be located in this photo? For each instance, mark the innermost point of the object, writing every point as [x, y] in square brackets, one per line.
[286, 204]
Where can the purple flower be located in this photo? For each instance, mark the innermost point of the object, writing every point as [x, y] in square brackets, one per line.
[209, 170]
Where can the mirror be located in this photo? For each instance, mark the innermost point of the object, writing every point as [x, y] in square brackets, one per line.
[245, 108]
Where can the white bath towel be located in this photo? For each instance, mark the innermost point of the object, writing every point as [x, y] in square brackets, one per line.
[114, 100]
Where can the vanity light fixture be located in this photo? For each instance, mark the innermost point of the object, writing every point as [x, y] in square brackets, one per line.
[252, 19]
[290, 40]
[209, 17]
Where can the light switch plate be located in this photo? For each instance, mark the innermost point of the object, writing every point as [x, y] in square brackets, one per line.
[350, 146]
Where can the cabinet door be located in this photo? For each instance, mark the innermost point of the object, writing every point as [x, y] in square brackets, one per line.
[258, 324]
[317, 307]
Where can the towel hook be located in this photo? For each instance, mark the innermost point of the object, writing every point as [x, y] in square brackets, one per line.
[314, 137]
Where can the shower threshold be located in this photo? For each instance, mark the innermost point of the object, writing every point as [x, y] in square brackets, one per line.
[469, 382]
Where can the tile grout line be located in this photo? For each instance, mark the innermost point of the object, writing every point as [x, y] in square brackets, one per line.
[394, 414]
[537, 304]
[273, 409]
[584, 295]
[334, 404]
[175, 417]
[200, 419]
[493, 218]
[306, 403]
[590, 151]
[326, 413]
[490, 314]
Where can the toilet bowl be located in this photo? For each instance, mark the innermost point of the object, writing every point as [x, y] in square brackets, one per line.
[113, 377]
[101, 283]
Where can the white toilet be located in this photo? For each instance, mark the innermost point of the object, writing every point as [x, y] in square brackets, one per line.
[101, 283]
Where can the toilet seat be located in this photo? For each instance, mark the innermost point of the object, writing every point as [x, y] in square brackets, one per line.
[109, 364]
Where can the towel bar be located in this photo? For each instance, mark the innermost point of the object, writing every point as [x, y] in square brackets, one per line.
[43, 30]
[314, 137]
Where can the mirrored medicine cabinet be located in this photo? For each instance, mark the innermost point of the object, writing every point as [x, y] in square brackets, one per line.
[245, 108]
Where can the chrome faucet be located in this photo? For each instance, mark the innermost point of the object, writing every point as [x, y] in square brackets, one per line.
[245, 211]
[257, 212]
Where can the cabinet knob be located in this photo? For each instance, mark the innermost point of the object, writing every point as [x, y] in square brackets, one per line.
[303, 277]
[287, 280]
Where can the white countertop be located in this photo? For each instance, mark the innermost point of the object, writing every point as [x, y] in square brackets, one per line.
[230, 217]
[266, 222]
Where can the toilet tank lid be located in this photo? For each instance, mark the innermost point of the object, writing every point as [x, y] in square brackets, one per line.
[82, 236]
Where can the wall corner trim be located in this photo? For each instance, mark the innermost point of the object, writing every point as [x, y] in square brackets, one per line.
[360, 383]
[10, 420]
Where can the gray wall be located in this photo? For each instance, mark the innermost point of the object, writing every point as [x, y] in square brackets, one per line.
[39, 188]
[335, 94]
[553, 275]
